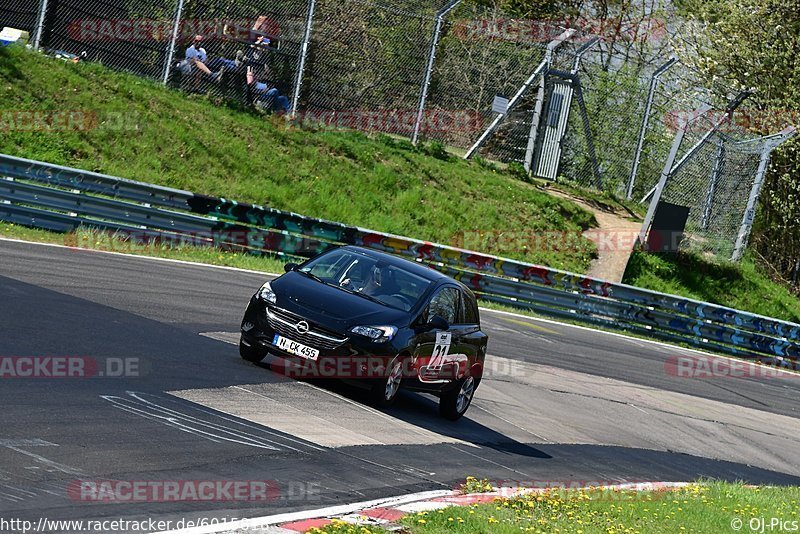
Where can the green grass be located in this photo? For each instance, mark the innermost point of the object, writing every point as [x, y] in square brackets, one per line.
[741, 286]
[706, 507]
[148, 133]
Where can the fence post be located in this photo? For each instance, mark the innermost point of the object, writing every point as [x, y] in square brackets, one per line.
[646, 122]
[750, 212]
[301, 65]
[39, 30]
[520, 93]
[587, 129]
[536, 118]
[662, 182]
[173, 42]
[426, 82]
[712, 184]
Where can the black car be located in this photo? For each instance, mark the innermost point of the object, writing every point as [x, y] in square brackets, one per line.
[384, 322]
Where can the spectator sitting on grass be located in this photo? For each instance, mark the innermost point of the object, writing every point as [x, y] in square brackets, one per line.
[196, 57]
[265, 96]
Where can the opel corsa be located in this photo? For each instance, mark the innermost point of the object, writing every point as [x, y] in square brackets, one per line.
[382, 321]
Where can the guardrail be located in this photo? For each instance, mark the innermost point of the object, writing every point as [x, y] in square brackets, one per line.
[53, 197]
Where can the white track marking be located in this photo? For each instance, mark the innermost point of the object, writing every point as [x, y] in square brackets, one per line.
[186, 423]
[151, 258]
[16, 446]
[231, 338]
[478, 406]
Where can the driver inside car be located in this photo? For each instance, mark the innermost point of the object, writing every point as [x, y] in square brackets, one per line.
[379, 281]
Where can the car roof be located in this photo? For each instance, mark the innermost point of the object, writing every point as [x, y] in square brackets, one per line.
[419, 269]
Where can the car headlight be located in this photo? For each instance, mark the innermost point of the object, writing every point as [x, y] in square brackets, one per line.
[266, 293]
[378, 334]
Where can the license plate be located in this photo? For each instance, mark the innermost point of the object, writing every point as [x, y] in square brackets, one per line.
[293, 347]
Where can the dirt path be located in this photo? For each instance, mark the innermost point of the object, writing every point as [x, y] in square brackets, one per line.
[614, 237]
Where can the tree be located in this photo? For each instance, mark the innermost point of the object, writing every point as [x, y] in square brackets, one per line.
[757, 44]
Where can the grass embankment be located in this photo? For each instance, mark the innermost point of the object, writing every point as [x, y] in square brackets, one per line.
[707, 508]
[148, 133]
[742, 286]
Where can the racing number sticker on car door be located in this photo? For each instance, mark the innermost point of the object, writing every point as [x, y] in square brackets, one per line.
[441, 349]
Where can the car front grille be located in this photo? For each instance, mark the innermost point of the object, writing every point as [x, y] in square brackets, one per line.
[284, 323]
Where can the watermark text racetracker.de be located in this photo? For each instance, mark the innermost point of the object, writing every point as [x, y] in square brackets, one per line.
[138, 30]
[145, 525]
[613, 490]
[396, 120]
[60, 120]
[709, 367]
[44, 367]
[545, 30]
[130, 491]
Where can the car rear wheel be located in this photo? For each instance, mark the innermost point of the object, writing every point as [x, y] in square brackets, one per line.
[384, 391]
[454, 403]
[251, 354]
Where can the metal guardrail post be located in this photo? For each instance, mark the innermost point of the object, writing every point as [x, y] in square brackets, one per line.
[646, 122]
[755, 192]
[39, 30]
[520, 93]
[426, 82]
[173, 42]
[301, 66]
[708, 204]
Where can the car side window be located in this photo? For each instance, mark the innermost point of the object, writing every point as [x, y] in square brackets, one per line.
[470, 309]
[445, 304]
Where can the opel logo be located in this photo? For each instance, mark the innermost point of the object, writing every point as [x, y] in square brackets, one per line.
[301, 327]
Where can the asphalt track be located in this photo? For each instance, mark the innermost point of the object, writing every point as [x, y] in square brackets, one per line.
[559, 405]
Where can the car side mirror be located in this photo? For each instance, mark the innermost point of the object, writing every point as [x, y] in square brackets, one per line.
[290, 267]
[437, 322]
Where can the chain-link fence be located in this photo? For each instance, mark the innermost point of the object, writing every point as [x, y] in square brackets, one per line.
[596, 111]
[366, 64]
[21, 14]
[478, 57]
[718, 179]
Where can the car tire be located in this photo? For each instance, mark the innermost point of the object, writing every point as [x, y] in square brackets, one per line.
[251, 354]
[384, 391]
[454, 402]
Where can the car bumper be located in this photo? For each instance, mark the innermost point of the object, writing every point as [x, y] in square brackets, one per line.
[352, 360]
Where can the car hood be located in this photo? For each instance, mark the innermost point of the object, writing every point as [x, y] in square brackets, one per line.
[332, 307]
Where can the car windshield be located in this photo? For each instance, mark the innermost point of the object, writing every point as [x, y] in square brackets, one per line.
[369, 277]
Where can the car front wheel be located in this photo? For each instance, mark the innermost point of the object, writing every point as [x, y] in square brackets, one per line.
[454, 402]
[384, 391]
[251, 354]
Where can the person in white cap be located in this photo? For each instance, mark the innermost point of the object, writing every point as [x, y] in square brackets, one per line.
[196, 56]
